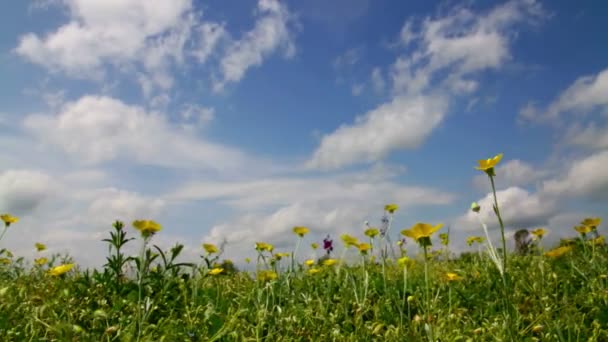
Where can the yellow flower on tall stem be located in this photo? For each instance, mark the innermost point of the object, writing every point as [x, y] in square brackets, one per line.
[474, 239]
[300, 231]
[592, 222]
[391, 208]
[210, 248]
[583, 230]
[216, 271]
[372, 232]
[9, 219]
[41, 261]
[421, 232]
[558, 252]
[61, 269]
[267, 275]
[487, 165]
[40, 246]
[147, 227]
[539, 232]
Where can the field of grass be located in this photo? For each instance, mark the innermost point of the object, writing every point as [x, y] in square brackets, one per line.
[560, 294]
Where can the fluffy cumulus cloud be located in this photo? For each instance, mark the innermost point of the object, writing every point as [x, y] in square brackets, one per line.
[112, 32]
[586, 178]
[96, 129]
[270, 208]
[22, 191]
[443, 56]
[271, 32]
[404, 122]
[519, 208]
[149, 39]
[586, 94]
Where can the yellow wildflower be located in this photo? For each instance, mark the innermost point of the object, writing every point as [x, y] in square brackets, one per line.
[598, 241]
[391, 208]
[314, 245]
[583, 229]
[210, 248]
[309, 262]
[247, 260]
[405, 262]
[330, 262]
[592, 222]
[267, 275]
[489, 164]
[279, 256]
[450, 276]
[40, 246]
[314, 270]
[61, 269]
[300, 231]
[147, 227]
[558, 252]
[9, 219]
[216, 271]
[372, 232]
[5, 261]
[364, 247]
[349, 240]
[263, 246]
[41, 261]
[474, 239]
[539, 232]
[421, 232]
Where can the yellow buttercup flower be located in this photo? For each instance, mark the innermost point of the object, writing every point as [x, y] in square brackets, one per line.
[598, 241]
[61, 269]
[583, 229]
[300, 231]
[267, 275]
[421, 232]
[314, 245]
[41, 261]
[147, 227]
[474, 239]
[405, 262]
[40, 246]
[9, 219]
[364, 247]
[314, 270]
[391, 208]
[309, 262]
[349, 240]
[372, 232]
[539, 232]
[210, 248]
[592, 222]
[489, 164]
[279, 256]
[216, 271]
[330, 262]
[263, 246]
[558, 252]
[450, 276]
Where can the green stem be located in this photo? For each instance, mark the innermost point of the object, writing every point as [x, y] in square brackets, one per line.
[3, 231]
[502, 226]
[139, 285]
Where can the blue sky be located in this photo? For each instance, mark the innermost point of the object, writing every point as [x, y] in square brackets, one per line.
[239, 121]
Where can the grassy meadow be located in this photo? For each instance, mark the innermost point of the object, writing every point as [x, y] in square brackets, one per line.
[388, 293]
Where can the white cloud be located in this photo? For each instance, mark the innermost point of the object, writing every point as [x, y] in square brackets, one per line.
[271, 207]
[518, 207]
[586, 94]
[402, 123]
[22, 191]
[378, 80]
[270, 33]
[592, 136]
[586, 178]
[210, 36]
[512, 173]
[357, 89]
[110, 32]
[348, 59]
[99, 129]
[445, 54]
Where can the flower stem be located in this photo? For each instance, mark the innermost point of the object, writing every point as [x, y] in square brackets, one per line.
[502, 226]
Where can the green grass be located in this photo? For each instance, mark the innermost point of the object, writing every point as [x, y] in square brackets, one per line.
[550, 299]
